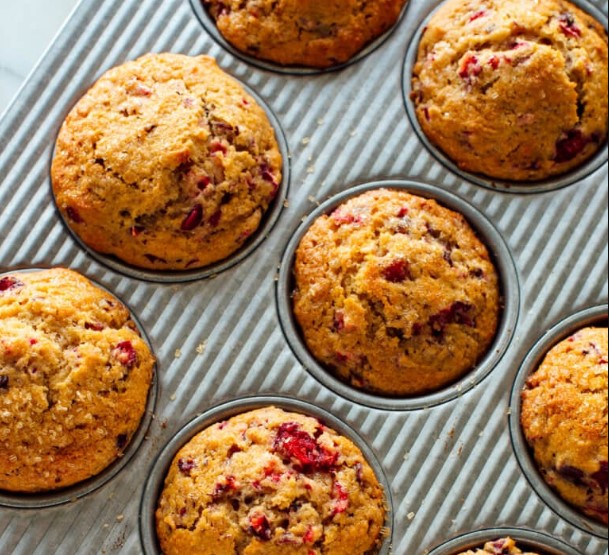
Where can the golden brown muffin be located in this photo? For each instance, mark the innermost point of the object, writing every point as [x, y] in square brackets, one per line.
[513, 89]
[166, 163]
[505, 546]
[270, 482]
[312, 33]
[395, 293]
[74, 380]
[564, 419]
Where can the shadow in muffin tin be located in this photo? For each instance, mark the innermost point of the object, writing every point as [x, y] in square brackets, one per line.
[510, 295]
[84, 488]
[590, 317]
[155, 481]
[516, 187]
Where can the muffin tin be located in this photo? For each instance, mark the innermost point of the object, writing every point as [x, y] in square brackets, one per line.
[451, 467]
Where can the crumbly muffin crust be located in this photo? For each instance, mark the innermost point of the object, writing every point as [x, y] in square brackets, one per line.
[510, 90]
[506, 546]
[270, 482]
[564, 419]
[312, 33]
[395, 293]
[74, 380]
[166, 163]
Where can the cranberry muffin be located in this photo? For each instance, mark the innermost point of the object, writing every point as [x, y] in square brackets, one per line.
[166, 163]
[311, 33]
[74, 380]
[513, 89]
[506, 546]
[395, 294]
[564, 420]
[270, 482]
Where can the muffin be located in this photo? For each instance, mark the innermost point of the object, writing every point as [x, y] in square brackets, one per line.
[270, 482]
[395, 294]
[311, 33]
[505, 546]
[74, 380]
[513, 89]
[564, 420]
[166, 163]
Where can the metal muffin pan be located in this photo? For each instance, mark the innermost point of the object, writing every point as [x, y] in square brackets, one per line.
[525, 539]
[557, 182]
[508, 280]
[269, 220]
[81, 489]
[595, 316]
[156, 480]
[210, 26]
[451, 468]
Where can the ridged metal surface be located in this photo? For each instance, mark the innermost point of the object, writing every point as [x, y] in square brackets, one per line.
[452, 468]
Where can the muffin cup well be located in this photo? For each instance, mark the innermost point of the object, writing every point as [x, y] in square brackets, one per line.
[81, 489]
[210, 26]
[540, 543]
[156, 479]
[589, 317]
[269, 219]
[508, 279]
[519, 187]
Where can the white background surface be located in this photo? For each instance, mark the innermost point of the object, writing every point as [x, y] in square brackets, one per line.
[27, 27]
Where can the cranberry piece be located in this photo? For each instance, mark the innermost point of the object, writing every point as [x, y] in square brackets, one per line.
[309, 536]
[342, 218]
[186, 466]
[267, 175]
[339, 321]
[137, 230]
[4, 382]
[222, 488]
[568, 26]
[494, 62]
[601, 476]
[478, 15]
[572, 474]
[470, 67]
[125, 354]
[74, 215]
[570, 145]
[217, 146]
[214, 220]
[458, 313]
[397, 271]
[341, 496]
[194, 218]
[154, 259]
[8, 283]
[295, 443]
[94, 326]
[203, 183]
[260, 527]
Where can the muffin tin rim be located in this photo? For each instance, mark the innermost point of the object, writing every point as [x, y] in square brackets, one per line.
[208, 24]
[530, 538]
[559, 331]
[240, 405]
[270, 218]
[510, 295]
[555, 183]
[54, 498]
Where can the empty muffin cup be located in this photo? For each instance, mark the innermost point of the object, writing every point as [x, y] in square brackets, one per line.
[406, 249]
[110, 360]
[545, 380]
[278, 472]
[526, 540]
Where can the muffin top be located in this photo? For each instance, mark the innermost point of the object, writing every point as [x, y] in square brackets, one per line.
[312, 33]
[270, 482]
[395, 293]
[513, 89]
[506, 546]
[564, 419]
[74, 380]
[166, 163]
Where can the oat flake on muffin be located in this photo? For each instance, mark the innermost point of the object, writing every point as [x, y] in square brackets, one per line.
[270, 482]
[513, 89]
[311, 33]
[395, 294]
[564, 420]
[74, 380]
[166, 163]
